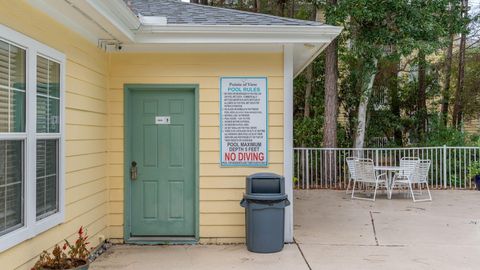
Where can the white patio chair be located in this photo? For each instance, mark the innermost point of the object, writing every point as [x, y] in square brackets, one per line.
[408, 164]
[365, 174]
[351, 170]
[418, 177]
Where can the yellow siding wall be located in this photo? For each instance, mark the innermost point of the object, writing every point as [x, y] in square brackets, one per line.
[94, 131]
[86, 132]
[221, 217]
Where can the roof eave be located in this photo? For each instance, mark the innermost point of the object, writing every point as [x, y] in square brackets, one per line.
[119, 21]
[119, 15]
[112, 19]
[245, 35]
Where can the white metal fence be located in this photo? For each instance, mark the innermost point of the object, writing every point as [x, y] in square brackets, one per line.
[327, 168]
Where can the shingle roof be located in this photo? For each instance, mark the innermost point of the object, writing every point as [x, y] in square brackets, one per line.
[178, 12]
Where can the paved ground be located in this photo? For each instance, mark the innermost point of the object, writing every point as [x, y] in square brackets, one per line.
[337, 233]
[334, 232]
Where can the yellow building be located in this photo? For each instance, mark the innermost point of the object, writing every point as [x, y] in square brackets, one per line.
[115, 117]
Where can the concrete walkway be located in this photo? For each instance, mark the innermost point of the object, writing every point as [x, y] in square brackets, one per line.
[198, 257]
[334, 232]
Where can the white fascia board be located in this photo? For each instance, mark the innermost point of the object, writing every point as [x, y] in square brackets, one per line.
[118, 14]
[203, 48]
[61, 13]
[225, 34]
[303, 55]
[105, 18]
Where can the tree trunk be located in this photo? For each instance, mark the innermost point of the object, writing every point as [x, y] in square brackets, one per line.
[457, 108]
[331, 94]
[256, 5]
[331, 97]
[194, 1]
[392, 84]
[421, 100]
[204, 2]
[309, 78]
[446, 83]
[292, 9]
[368, 77]
[280, 8]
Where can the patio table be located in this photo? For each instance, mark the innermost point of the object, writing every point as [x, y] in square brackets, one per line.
[389, 170]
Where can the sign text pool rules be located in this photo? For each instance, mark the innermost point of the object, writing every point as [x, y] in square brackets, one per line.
[243, 121]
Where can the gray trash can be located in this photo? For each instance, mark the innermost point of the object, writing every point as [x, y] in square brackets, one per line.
[264, 202]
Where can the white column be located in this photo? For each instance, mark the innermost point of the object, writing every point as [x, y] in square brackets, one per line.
[288, 136]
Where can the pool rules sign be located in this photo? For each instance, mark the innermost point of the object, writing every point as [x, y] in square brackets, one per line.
[243, 121]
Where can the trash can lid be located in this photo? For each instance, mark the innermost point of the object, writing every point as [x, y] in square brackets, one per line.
[265, 196]
[264, 175]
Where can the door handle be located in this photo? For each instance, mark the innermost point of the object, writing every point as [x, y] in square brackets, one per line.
[133, 171]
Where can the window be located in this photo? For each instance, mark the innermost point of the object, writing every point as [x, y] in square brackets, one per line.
[31, 137]
[11, 185]
[12, 121]
[48, 108]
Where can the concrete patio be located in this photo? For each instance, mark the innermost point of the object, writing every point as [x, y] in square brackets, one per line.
[334, 232]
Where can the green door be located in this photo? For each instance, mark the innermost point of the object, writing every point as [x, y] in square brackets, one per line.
[162, 144]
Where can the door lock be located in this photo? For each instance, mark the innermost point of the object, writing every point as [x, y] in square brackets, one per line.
[133, 171]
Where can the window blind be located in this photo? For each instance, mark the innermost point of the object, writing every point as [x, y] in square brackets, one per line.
[47, 173]
[48, 113]
[12, 119]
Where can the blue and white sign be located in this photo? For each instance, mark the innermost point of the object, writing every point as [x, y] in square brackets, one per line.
[243, 121]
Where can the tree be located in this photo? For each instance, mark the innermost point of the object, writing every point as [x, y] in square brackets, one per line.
[454, 26]
[375, 27]
[257, 5]
[422, 99]
[308, 90]
[331, 78]
[446, 82]
[309, 75]
[281, 4]
[365, 85]
[383, 57]
[457, 109]
[392, 70]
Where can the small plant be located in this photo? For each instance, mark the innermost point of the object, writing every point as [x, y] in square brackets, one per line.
[474, 170]
[60, 258]
[474, 173]
[295, 181]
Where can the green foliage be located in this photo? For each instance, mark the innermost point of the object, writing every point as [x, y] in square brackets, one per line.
[307, 132]
[439, 134]
[392, 32]
[60, 258]
[471, 106]
[474, 169]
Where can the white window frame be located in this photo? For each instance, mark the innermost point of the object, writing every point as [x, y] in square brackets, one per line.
[31, 226]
